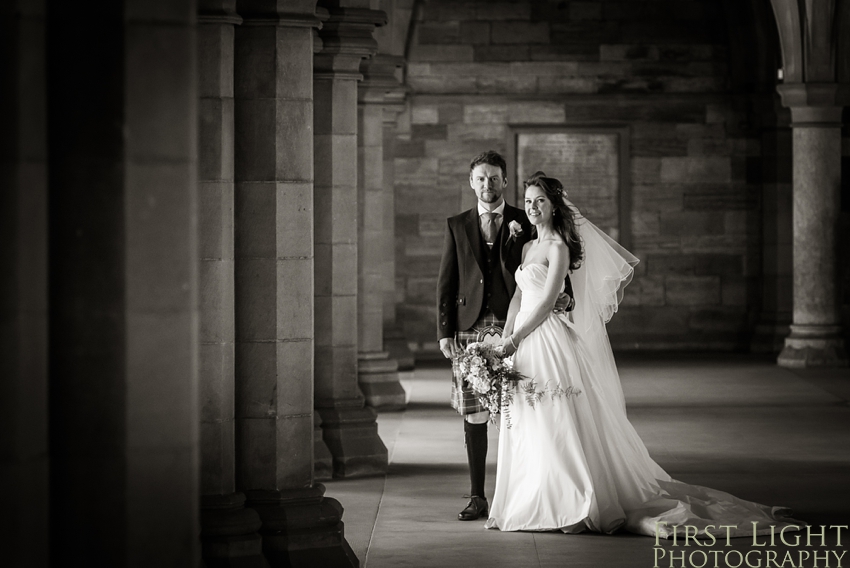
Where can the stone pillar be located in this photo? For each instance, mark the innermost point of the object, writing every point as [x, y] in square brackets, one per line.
[228, 529]
[392, 43]
[349, 428]
[816, 338]
[377, 372]
[777, 233]
[391, 113]
[274, 286]
[395, 342]
[23, 285]
[123, 283]
[323, 462]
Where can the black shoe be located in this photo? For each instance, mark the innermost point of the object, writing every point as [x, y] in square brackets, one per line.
[475, 509]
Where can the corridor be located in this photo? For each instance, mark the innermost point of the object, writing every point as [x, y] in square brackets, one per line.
[733, 422]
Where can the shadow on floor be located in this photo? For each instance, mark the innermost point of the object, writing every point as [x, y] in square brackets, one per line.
[737, 423]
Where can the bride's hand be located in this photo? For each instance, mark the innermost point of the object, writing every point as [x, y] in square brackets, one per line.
[508, 346]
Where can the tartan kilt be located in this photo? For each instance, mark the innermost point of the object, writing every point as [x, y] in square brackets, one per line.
[488, 329]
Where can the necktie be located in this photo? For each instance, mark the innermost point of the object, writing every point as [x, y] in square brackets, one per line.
[489, 227]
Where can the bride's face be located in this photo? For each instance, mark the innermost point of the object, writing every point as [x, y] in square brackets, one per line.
[537, 206]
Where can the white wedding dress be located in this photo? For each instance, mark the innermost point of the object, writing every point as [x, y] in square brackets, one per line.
[574, 462]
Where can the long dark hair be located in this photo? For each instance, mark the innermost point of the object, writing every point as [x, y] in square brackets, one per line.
[563, 216]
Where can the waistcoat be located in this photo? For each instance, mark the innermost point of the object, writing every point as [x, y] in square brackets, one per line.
[496, 297]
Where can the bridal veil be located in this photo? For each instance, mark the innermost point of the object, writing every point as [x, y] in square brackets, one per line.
[653, 501]
[598, 289]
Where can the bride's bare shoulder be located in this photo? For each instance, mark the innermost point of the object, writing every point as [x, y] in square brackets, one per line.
[558, 250]
[558, 246]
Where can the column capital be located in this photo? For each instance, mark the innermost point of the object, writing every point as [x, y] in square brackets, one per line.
[391, 112]
[814, 104]
[291, 14]
[346, 40]
[322, 15]
[218, 12]
[380, 84]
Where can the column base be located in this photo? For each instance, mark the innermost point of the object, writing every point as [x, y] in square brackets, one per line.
[351, 435]
[323, 466]
[229, 537]
[813, 346]
[377, 376]
[769, 337]
[396, 344]
[302, 528]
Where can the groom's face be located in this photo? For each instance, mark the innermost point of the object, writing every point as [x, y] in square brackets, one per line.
[488, 183]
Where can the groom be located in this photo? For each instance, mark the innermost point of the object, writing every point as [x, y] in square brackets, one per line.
[483, 248]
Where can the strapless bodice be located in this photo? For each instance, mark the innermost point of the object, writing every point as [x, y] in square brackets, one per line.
[531, 279]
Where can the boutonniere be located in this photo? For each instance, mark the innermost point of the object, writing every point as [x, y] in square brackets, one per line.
[515, 229]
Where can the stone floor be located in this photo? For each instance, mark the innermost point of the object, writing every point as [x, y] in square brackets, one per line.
[732, 422]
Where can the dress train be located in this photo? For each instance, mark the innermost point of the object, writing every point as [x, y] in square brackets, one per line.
[574, 462]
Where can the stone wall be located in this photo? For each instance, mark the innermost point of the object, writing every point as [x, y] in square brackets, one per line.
[659, 68]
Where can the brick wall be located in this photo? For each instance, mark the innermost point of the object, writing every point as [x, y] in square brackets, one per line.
[658, 68]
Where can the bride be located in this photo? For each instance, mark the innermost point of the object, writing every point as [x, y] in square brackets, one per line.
[569, 459]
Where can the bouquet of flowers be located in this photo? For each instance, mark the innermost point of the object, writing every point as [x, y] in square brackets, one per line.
[490, 375]
[494, 381]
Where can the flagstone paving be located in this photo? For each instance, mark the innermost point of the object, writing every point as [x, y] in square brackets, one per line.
[734, 422]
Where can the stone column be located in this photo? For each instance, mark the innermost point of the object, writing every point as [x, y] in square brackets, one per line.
[777, 233]
[23, 285]
[392, 43]
[816, 338]
[377, 372]
[123, 283]
[349, 428]
[395, 342]
[228, 529]
[274, 286]
[323, 461]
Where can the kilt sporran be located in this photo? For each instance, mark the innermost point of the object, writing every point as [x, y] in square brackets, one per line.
[487, 329]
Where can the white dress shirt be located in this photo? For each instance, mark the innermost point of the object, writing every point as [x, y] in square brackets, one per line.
[500, 215]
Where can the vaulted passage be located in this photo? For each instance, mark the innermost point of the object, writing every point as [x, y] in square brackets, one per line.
[221, 224]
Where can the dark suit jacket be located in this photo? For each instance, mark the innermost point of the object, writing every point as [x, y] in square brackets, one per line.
[460, 286]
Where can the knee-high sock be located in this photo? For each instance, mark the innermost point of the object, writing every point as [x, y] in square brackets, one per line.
[476, 453]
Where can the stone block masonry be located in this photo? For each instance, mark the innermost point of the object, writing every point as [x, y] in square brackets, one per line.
[478, 70]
